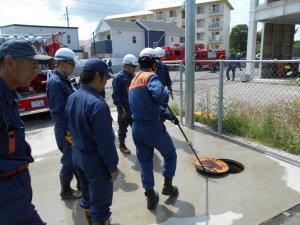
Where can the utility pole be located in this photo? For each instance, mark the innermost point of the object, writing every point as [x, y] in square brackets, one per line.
[94, 44]
[189, 61]
[67, 17]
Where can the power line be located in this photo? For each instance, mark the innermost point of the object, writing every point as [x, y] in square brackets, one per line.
[177, 13]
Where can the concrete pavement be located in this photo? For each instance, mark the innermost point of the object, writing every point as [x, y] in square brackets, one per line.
[266, 188]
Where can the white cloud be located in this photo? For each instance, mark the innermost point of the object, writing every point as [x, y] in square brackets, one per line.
[41, 12]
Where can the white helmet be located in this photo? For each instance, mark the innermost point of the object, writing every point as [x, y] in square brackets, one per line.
[148, 52]
[160, 53]
[65, 54]
[21, 38]
[40, 40]
[10, 38]
[32, 39]
[130, 59]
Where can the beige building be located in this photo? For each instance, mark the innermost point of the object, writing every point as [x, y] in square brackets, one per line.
[212, 20]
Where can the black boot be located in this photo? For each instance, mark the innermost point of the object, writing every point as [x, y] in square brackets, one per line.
[78, 185]
[169, 189]
[67, 192]
[152, 198]
[123, 147]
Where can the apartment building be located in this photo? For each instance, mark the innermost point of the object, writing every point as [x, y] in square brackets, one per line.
[212, 20]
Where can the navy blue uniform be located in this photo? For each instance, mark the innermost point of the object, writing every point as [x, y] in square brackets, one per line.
[15, 154]
[90, 124]
[146, 95]
[232, 66]
[121, 83]
[163, 74]
[58, 90]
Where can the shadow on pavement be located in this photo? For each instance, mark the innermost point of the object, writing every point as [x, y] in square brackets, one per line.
[122, 184]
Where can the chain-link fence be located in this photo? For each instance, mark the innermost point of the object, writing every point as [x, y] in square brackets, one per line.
[258, 100]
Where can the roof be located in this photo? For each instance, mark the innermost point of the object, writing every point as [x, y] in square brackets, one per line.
[169, 28]
[27, 25]
[123, 25]
[176, 5]
[123, 15]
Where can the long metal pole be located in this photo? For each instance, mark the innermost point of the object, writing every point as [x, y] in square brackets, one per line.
[181, 93]
[189, 61]
[221, 96]
[67, 15]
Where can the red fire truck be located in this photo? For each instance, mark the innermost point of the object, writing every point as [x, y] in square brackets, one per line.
[178, 53]
[33, 99]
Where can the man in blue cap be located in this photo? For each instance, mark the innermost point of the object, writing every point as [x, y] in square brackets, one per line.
[59, 88]
[18, 65]
[120, 85]
[146, 97]
[95, 154]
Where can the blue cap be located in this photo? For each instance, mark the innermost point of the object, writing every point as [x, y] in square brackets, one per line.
[21, 49]
[97, 65]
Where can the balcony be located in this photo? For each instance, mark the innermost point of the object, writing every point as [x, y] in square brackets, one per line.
[216, 11]
[215, 39]
[215, 25]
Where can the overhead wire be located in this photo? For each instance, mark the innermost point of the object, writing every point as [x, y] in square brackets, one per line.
[177, 14]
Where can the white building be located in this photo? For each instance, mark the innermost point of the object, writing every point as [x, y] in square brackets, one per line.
[279, 18]
[116, 38]
[212, 20]
[70, 37]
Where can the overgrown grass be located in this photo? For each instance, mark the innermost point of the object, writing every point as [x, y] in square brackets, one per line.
[274, 125]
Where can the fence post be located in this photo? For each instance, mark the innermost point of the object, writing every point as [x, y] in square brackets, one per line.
[221, 97]
[181, 93]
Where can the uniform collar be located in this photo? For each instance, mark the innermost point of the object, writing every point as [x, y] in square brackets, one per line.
[126, 73]
[8, 94]
[61, 76]
[90, 89]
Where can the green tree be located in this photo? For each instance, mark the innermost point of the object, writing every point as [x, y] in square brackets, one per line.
[258, 41]
[238, 38]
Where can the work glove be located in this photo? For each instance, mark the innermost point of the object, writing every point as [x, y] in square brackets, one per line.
[69, 138]
[174, 120]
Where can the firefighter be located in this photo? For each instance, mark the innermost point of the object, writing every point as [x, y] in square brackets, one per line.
[233, 65]
[120, 85]
[146, 95]
[18, 65]
[162, 70]
[90, 124]
[58, 89]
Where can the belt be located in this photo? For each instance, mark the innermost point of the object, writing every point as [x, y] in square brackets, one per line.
[14, 171]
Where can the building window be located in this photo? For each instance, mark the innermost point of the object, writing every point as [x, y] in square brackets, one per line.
[183, 14]
[108, 37]
[159, 16]
[69, 39]
[200, 36]
[217, 46]
[182, 39]
[134, 39]
[173, 13]
[201, 23]
[172, 39]
[200, 10]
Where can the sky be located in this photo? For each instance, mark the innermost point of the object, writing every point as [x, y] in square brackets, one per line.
[86, 14]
